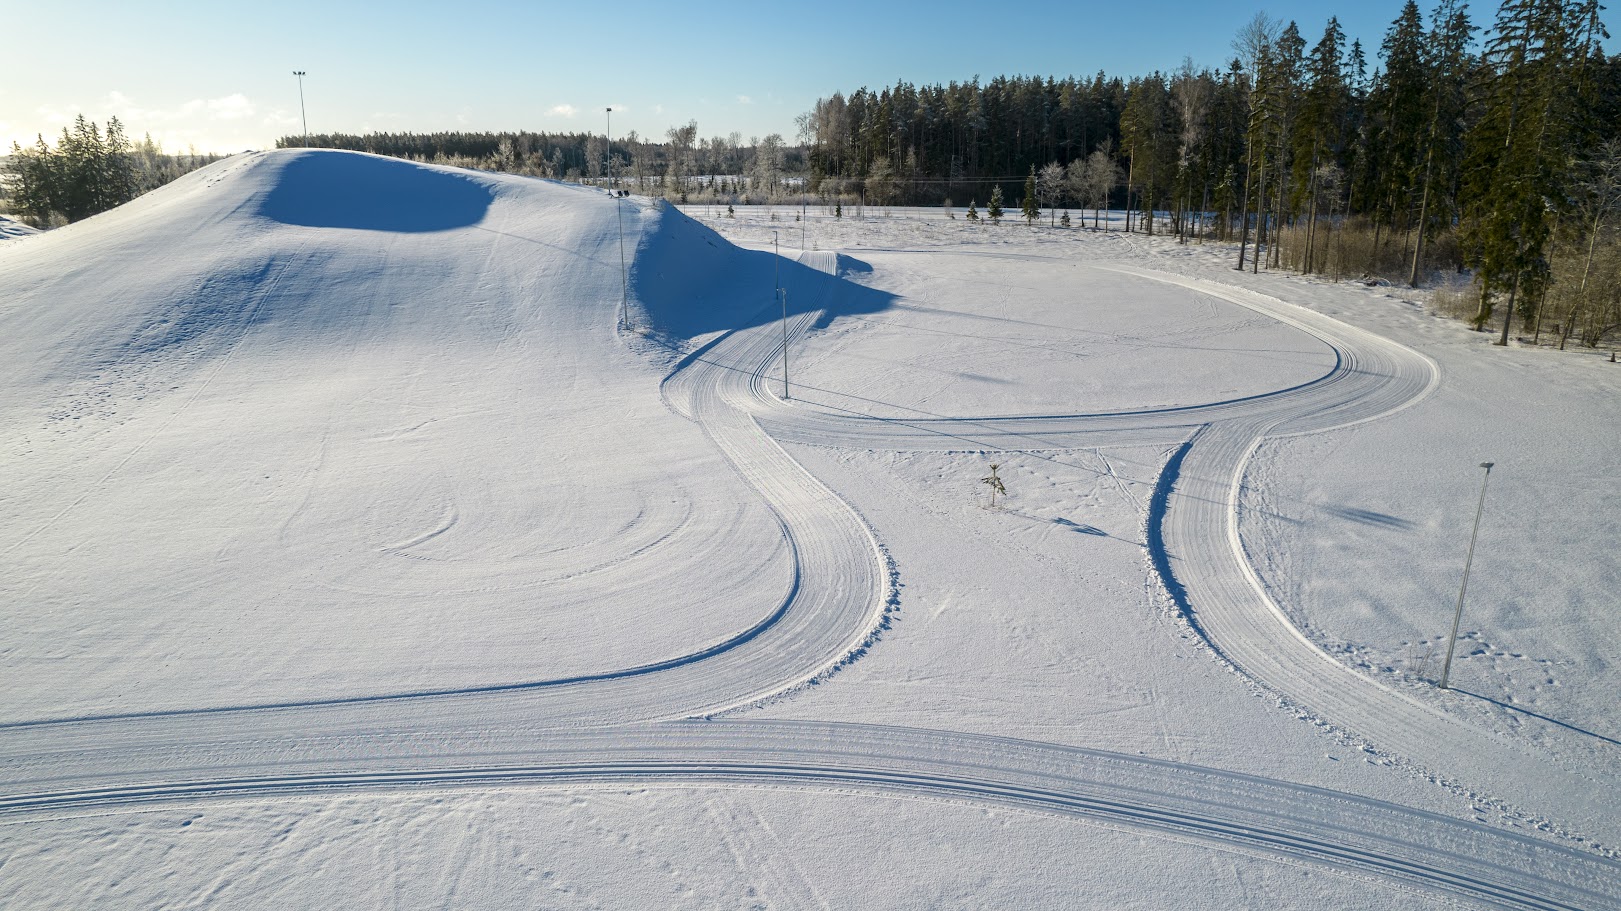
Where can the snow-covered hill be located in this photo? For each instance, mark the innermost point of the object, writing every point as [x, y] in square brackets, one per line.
[319, 424]
[376, 530]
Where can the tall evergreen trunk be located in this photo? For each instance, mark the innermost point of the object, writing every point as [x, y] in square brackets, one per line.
[1508, 314]
[1275, 251]
[1423, 220]
[1311, 211]
[1484, 312]
[1424, 193]
[1260, 218]
[1244, 209]
[1131, 170]
[1204, 206]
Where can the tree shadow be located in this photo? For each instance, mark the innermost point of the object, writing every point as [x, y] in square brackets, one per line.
[1369, 517]
[1553, 721]
[333, 189]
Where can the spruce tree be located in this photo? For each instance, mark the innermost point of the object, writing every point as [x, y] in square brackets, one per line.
[1319, 139]
[994, 210]
[1449, 65]
[1398, 102]
[1516, 153]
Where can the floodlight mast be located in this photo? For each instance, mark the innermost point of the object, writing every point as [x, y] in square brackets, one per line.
[782, 293]
[1452, 640]
[301, 115]
[619, 216]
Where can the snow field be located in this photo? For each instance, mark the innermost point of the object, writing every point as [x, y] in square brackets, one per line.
[1044, 619]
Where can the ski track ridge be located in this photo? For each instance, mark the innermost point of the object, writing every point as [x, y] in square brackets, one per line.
[619, 728]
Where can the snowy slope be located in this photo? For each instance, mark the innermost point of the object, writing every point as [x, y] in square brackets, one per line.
[317, 425]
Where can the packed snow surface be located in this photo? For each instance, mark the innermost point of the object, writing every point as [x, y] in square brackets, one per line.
[361, 509]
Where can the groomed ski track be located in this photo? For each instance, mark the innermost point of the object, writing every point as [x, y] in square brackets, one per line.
[1353, 835]
[601, 728]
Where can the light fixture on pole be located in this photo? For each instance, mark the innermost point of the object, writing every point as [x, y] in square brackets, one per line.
[619, 216]
[784, 293]
[781, 292]
[301, 115]
[1452, 640]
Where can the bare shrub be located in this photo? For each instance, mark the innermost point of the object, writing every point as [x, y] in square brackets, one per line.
[1459, 300]
[1354, 249]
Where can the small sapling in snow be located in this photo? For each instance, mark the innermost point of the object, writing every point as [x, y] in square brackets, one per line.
[994, 483]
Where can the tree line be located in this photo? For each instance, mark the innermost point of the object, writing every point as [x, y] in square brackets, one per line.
[88, 171]
[1495, 150]
[685, 165]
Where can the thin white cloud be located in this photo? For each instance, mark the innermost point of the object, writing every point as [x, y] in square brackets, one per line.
[231, 107]
[563, 110]
[744, 99]
[228, 107]
[54, 115]
[280, 117]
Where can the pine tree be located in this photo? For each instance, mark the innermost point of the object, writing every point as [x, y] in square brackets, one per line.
[1449, 63]
[1516, 155]
[994, 210]
[1398, 103]
[973, 211]
[1319, 139]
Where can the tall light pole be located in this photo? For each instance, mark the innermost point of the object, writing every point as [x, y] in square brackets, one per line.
[301, 115]
[782, 293]
[1446, 667]
[619, 216]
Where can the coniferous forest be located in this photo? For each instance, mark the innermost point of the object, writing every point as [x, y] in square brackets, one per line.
[88, 171]
[1483, 158]
[1453, 147]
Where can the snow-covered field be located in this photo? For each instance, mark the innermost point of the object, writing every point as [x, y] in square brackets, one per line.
[360, 547]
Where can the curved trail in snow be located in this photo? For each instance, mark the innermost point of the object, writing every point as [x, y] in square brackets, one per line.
[1195, 546]
[1348, 834]
[594, 729]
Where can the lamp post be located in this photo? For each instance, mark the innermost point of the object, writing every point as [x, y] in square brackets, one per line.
[1446, 666]
[782, 293]
[619, 216]
[301, 115]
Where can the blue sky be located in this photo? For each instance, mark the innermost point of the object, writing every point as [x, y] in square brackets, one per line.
[219, 75]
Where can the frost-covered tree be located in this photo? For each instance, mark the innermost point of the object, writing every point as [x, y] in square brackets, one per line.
[768, 164]
[86, 173]
[1051, 186]
[1102, 176]
[994, 210]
